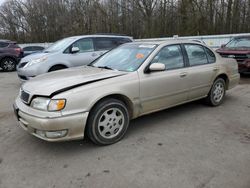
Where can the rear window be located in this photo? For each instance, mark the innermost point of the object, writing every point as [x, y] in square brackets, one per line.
[13, 45]
[4, 44]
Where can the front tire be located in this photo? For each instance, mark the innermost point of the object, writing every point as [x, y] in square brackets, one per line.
[8, 64]
[108, 122]
[217, 93]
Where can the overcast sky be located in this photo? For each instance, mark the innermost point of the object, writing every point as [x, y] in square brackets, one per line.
[1, 1]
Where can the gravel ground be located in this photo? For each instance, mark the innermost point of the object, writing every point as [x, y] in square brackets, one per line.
[191, 146]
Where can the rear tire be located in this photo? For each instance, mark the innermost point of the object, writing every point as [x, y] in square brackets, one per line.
[108, 122]
[8, 64]
[56, 68]
[217, 93]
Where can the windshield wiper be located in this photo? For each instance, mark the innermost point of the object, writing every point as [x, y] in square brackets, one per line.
[105, 67]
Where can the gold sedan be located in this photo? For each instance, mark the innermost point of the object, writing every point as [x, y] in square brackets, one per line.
[130, 81]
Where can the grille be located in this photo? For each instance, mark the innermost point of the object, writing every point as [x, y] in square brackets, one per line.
[238, 57]
[25, 96]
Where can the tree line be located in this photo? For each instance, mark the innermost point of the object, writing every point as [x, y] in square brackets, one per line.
[50, 20]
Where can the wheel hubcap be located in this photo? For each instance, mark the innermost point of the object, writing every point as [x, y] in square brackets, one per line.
[8, 65]
[111, 123]
[218, 92]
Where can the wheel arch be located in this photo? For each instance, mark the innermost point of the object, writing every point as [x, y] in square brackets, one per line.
[122, 98]
[224, 76]
[57, 64]
[8, 56]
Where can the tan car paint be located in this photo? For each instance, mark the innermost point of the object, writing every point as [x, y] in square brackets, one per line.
[144, 92]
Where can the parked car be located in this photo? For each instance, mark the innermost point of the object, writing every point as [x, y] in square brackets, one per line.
[27, 50]
[239, 49]
[10, 55]
[130, 81]
[68, 52]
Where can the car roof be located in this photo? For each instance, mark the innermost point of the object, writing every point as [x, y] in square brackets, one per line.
[4, 40]
[165, 42]
[33, 46]
[108, 36]
[7, 41]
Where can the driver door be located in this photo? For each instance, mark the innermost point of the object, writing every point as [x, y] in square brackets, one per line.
[162, 89]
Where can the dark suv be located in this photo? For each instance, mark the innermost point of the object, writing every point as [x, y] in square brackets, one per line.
[239, 49]
[10, 55]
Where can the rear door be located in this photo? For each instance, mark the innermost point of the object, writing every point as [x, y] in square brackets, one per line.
[202, 70]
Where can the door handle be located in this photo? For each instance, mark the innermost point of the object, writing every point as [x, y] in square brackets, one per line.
[183, 74]
[215, 68]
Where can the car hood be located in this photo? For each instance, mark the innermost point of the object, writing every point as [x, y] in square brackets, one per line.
[53, 83]
[234, 50]
[36, 56]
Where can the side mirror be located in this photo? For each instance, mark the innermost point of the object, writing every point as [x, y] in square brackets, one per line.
[157, 67]
[74, 50]
[223, 46]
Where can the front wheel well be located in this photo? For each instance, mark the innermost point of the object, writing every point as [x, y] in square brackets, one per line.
[128, 103]
[225, 78]
[57, 65]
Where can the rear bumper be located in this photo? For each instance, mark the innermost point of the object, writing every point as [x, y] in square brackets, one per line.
[234, 81]
[73, 124]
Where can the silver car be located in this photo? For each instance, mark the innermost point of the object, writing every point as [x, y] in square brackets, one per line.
[68, 52]
[130, 81]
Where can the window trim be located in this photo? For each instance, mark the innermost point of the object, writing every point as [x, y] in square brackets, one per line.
[203, 47]
[207, 55]
[146, 70]
[70, 46]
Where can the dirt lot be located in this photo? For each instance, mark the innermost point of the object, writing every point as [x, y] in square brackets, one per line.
[191, 146]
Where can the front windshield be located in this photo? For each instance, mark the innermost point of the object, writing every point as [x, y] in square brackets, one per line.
[58, 45]
[239, 43]
[127, 57]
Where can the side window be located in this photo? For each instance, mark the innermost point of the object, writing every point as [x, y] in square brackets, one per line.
[210, 55]
[120, 41]
[4, 44]
[28, 48]
[38, 48]
[196, 54]
[85, 45]
[104, 44]
[171, 56]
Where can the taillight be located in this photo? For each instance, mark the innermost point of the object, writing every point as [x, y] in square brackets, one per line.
[18, 50]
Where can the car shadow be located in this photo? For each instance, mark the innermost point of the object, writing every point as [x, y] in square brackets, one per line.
[245, 78]
[145, 122]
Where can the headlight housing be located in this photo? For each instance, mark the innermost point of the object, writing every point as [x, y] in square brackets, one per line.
[35, 61]
[46, 104]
